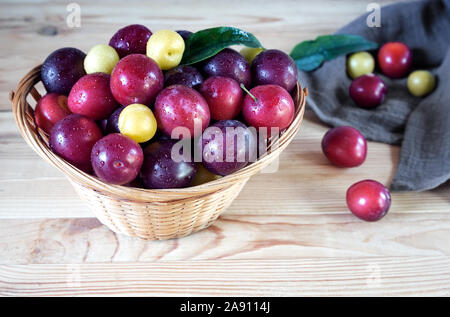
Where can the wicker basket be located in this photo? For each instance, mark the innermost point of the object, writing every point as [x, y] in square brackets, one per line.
[143, 213]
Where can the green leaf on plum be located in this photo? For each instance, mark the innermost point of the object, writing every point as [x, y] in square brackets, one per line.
[309, 55]
[206, 43]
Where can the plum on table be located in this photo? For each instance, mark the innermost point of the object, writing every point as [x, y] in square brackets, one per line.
[368, 200]
[344, 146]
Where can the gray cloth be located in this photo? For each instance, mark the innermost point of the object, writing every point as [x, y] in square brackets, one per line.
[420, 125]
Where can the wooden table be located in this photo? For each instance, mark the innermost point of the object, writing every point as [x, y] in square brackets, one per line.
[288, 233]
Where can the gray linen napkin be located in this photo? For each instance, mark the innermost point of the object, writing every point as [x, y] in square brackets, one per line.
[420, 125]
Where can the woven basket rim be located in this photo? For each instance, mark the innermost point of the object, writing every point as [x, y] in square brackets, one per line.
[35, 138]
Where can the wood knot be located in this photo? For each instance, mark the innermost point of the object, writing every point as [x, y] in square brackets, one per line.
[48, 30]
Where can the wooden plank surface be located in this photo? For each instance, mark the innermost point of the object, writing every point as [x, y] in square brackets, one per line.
[288, 233]
[375, 276]
[244, 237]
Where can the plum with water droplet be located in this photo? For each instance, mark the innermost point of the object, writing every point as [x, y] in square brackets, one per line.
[344, 146]
[228, 63]
[368, 200]
[92, 97]
[160, 170]
[73, 137]
[117, 159]
[268, 106]
[183, 75]
[131, 39]
[274, 67]
[182, 108]
[49, 110]
[227, 146]
[136, 79]
[62, 69]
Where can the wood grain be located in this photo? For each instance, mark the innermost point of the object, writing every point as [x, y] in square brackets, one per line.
[244, 237]
[297, 238]
[373, 276]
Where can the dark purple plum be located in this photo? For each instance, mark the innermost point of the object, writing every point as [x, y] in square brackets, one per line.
[274, 67]
[228, 63]
[102, 124]
[368, 91]
[183, 75]
[227, 146]
[184, 34]
[112, 125]
[73, 137]
[62, 69]
[131, 39]
[117, 159]
[160, 171]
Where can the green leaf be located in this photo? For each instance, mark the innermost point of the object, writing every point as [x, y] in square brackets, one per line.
[206, 43]
[309, 55]
[309, 63]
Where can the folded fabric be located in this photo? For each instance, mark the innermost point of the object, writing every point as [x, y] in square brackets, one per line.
[420, 125]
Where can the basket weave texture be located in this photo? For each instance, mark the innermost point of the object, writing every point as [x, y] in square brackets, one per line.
[144, 213]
